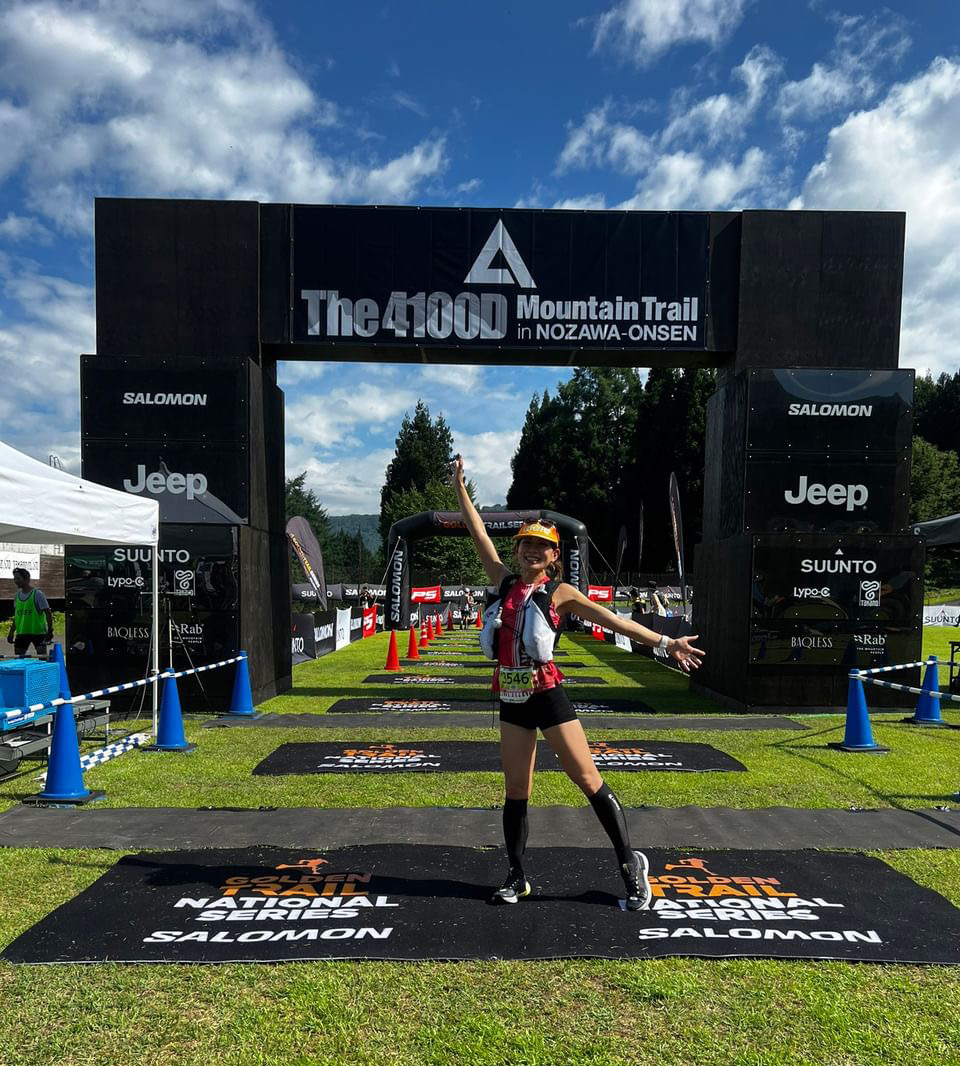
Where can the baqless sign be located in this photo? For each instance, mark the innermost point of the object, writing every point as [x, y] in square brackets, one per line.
[479, 278]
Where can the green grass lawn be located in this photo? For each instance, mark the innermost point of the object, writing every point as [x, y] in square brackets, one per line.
[668, 1011]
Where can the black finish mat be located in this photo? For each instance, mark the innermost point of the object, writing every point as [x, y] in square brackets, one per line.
[480, 716]
[458, 756]
[454, 652]
[268, 904]
[463, 679]
[701, 827]
[401, 704]
[475, 664]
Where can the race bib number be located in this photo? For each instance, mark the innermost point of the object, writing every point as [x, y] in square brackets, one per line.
[516, 684]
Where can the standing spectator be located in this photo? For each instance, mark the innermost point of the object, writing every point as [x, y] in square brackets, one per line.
[655, 605]
[466, 609]
[32, 617]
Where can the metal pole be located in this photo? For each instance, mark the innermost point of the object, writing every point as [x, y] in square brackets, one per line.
[155, 583]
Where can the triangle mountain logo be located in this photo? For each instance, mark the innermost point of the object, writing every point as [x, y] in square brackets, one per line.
[483, 272]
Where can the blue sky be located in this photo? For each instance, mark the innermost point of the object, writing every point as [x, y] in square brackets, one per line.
[645, 104]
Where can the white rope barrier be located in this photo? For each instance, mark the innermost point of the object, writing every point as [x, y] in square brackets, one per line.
[887, 669]
[111, 751]
[23, 712]
[933, 693]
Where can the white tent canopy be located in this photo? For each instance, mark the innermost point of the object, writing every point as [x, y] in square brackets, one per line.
[40, 505]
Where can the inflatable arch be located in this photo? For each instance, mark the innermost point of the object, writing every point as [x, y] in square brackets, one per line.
[574, 549]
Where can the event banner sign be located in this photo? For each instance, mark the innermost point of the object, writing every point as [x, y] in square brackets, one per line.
[825, 494]
[809, 410]
[861, 579]
[402, 901]
[182, 400]
[194, 483]
[470, 278]
[302, 644]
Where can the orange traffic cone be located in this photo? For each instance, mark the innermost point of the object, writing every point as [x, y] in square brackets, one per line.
[430, 633]
[479, 619]
[439, 623]
[423, 637]
[393, 662]
[412, 652]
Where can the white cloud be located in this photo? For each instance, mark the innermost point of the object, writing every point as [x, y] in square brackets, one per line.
[721, 118]
[23, 228]
[594, 201]
[40, 364]
[343, 486]
[850, 76]
[175, 99]
[904, 155]
[486, 461]
[641, 30]
[685, 180]
[331, 421]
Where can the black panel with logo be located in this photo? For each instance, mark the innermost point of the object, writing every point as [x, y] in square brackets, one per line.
[198, 569]
[842, 579]
[188, 400]
[832, 494]
[475, 278]
[779, 642]
[193, 482]
[806, 410]
[106, 647]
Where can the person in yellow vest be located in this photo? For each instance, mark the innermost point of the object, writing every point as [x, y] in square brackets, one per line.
[32, 617]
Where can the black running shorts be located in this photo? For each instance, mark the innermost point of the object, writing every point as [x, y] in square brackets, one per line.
[543, 710]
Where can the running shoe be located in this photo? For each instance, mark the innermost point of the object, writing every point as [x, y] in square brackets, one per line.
[635, 877]
[516, 887]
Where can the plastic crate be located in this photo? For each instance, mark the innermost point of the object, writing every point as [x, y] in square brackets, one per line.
[27, 681]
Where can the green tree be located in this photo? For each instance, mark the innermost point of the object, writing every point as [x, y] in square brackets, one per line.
[934, 482]
[935, 492]
[937, 411]
[422, 457]
[608, 440]
[417, 480]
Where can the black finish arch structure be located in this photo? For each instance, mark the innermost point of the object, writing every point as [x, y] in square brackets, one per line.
[574, 549]
[806, 565]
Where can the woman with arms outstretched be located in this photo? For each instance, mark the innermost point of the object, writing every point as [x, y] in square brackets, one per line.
[531, 695]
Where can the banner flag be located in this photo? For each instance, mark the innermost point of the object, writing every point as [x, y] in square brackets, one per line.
[677, 522]
[621, 549]
[640, 539]
[307, 550]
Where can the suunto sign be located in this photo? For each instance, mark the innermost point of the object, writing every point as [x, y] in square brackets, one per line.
[525, 279]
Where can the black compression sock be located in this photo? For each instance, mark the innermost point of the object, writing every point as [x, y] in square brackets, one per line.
[608, 810]
[515, 831]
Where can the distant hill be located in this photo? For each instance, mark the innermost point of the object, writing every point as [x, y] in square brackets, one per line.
[367, 524]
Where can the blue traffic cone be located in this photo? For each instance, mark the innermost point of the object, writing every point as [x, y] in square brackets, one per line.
[857, 736]
[241, 702]
[64, 783]
[64, 693]
[928, 707]
[170, 735]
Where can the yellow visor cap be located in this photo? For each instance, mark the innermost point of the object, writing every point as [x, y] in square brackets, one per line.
[538, 529]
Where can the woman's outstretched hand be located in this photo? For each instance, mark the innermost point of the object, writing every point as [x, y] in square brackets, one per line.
[456, 470]
[685, 653]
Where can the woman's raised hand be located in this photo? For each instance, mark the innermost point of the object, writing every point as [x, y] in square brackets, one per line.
[456, 470]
